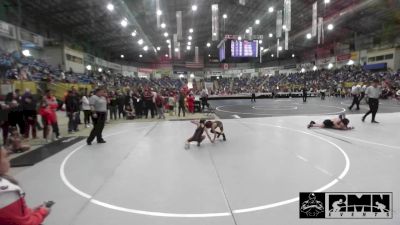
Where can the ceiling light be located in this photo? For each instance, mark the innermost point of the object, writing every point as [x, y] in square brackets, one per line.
[100, 70]
[257, 22]
[270, 35]
[214, 34]
[351, 62]
[176, 49]
[279, 48]
[191, 75]
[194, 7]
[158, 48]
[188, 47]
[159, 12]
[134, 33]
[124, 22]
[140, 42]
[293, 55]
[190, 38]
[303, 70]
[169, 46]
[140, 56]
[26, 52]
[89, 67]
[166, 34]
[314, 68]
[266, 50]
[330, 26]
[163, 25]
[225, 16]
[284, 27]
[168, 41]
[166, 55]
[271, 9]
[208, 45]
[240, 38]
[247, 31]
[110, 7]
[272, 55]
[260, 41]
[330, 65]
[262, 48]
[122, 56]
[209, 55]
[146, 48]
[308, 36]
[189, 43]
[327, 1]
[191, 30]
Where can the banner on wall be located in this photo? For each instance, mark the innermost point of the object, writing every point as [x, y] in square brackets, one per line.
[343, 57]
[7, 30]
[279, 23]
[214, 22]
[287, 15]
[314, 20]
[179, 25]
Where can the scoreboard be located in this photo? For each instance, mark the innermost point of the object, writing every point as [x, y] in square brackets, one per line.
[244, 48]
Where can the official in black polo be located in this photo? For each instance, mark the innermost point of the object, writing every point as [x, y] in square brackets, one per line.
[373, 92]
[98, 105]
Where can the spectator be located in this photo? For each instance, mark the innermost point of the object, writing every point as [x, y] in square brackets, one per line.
[129, 113]
[113, 104]
[160, 106]
[13, 209]
[14, 142]
[49, 119]
[190, 101]
[86, 110]
[29, 106]
[181, 103]
[120, 103]
[72, 108]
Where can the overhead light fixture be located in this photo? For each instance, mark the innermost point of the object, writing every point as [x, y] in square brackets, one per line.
[266, 50]
[169, 46]
[208, 45]
[163, 25]
[191, 75]
[168, 41]
[191, 30]
[315, 68]
[279, 48]
[122, 56]
[140, 56]
[293, 55]
[214, 34]
[257, 22]
[158, 48]
[176, 49]
[351, 62]
[145, 48]
[190, 38]
[194, 7]
[284, 27]
[330, 26]
[260, 41]
[140, 42]
[134, 33]
[262, 48]
[330, 65]
[327, 1]
[166, 55]
[166, 34]
[225, 16]
[159, 12]
[26, 53]
[271, 9]
[272, 55]
[100, 70]
[270, 35]
[189, 43]
[188, 47]
[303, 70]
[209, 55]
[110, 7]
[240, 38]
[308, 36]
[124, 22]
[247, 31]
[89, 67]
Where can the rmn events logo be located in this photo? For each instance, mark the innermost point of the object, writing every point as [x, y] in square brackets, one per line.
[347, 205]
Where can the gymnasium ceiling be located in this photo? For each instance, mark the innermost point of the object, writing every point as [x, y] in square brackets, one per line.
[91, 21]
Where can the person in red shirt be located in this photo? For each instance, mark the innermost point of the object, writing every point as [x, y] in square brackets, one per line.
[190, 101]
[13, 208]
[49, 118]
[52, 104]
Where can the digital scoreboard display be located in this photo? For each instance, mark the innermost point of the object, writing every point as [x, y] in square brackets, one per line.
[244, 48]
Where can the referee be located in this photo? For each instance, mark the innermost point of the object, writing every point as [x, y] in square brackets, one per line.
[373, 92]
[98, 105]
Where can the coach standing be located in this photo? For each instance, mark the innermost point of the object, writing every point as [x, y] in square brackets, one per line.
[373, 92]
[98, 105]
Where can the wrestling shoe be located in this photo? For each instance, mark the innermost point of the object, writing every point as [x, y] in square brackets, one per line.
[310, 124]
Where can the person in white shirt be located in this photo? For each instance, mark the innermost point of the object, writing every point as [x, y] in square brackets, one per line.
[355, 92]
[86, 110]
[373, 92]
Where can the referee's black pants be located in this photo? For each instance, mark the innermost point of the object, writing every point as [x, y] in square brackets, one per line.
[98, 126]
[253, 97]
[355, 102]
[373, 108]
